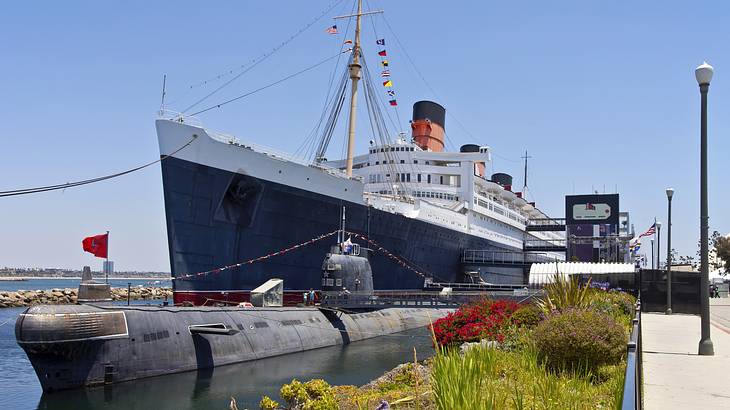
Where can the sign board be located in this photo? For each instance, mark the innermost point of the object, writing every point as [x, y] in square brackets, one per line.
[591, 209]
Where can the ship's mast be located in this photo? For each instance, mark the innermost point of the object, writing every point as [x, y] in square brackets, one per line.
[355, 69]
[355, 74]
[524, 186]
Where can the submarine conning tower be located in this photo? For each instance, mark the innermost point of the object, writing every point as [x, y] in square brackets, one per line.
[428, 126]
[347, 272]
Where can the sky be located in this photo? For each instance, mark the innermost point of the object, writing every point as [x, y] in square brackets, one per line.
[601, 93]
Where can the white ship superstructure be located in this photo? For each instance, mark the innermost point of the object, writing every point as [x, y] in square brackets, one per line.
[447, 189]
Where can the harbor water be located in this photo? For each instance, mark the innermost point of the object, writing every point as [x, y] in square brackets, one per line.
[354, 364]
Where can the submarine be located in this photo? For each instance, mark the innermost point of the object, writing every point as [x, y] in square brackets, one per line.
[85, 345]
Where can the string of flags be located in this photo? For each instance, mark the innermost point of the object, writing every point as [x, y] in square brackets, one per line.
[396, 259]
[385, 74]
[259, 259]
[372, 243]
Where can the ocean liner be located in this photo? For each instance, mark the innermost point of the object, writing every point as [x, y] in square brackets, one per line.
[416, 206]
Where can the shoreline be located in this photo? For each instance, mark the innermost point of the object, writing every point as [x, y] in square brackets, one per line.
[61, 296]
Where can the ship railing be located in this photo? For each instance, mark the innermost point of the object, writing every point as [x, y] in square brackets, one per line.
[179, 117]
[427, 299]
[545, 243]
[502, 257]
[546, 221]
[381, 300]
[277, 154]
[395, 198]
[233, 140]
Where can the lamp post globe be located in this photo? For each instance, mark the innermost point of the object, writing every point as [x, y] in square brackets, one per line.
[703, 74]
[670, 193]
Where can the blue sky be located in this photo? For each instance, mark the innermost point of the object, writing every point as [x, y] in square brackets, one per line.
[602, 94]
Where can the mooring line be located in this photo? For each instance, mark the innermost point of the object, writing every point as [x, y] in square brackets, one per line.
[9, 319]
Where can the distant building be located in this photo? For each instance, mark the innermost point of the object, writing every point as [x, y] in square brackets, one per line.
[595, 229]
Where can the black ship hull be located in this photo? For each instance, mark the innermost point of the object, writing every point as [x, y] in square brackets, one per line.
[217, 218]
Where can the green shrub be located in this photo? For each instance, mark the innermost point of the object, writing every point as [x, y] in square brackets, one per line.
[315, 394]
[576, 339]
[618, 305]
[527, 316]
[267, 403]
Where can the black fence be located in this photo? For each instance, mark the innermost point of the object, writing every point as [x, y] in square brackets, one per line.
[633, 380]
[653, 286]
[685, 291]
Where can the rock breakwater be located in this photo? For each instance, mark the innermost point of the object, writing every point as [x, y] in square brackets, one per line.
[21, 298]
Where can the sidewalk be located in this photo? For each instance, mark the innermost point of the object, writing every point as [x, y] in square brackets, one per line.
[675, 377]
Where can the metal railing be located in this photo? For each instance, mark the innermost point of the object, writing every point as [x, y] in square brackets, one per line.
[633, 379]
[179, 117]
[546, 222]
[502, 257]
[409, 299]
[545, 243]
[415, 299]
[230, 139]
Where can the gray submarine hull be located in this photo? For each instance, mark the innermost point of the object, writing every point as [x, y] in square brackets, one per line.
[72, 346]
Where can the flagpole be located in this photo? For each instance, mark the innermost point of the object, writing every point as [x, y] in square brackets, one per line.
[106, 270]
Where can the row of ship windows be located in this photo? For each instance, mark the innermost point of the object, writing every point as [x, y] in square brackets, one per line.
[426, 194]
[435, 195]
[406, 177]
[392, 161]
[391, 149]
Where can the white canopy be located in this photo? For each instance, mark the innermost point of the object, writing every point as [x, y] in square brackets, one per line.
[544, 273]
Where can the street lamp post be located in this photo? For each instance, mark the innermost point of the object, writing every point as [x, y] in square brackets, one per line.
[658, 245]
[670, 193]
[703, 74]
[652, 254]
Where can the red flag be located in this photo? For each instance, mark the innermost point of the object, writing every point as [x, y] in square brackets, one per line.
[382, 53]
[97, 245]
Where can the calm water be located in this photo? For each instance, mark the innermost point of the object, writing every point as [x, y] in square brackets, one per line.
[355, 364]
[36, 284]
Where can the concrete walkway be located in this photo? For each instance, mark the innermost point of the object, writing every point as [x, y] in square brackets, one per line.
[675, 377]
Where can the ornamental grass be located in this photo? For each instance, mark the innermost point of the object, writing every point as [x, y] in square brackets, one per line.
[486, 378]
